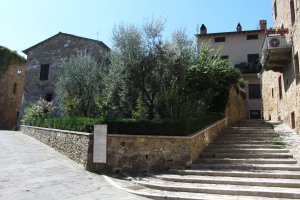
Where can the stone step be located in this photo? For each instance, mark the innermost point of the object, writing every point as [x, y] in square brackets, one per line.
[270, 182]
[172, 195]
[245, 139]
[248, 131]
[219, 141]
[237, 139]
[273, 192]
[249, 160]
[257, 146]
[245, 150]
[248, 135]
[236, 173]
[245, 155]
[134, 188]
[250, 128]
[247, 166]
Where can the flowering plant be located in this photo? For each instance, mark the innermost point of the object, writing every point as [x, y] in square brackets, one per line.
[41, 110]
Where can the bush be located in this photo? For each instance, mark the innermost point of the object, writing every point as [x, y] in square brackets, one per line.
[168, 127]
[178, 127]
[82, 124]
[41, 110]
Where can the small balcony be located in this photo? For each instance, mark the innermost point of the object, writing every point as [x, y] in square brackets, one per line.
[276, 51]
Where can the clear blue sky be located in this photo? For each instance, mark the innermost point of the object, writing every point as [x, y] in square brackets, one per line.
[24, 23]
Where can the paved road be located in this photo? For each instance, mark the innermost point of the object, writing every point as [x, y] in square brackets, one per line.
[30, 170]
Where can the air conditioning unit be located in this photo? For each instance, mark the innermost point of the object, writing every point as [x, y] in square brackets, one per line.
[274, 42]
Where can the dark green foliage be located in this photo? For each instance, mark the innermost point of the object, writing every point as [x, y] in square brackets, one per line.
[7, 58]
[167, 127]
[80, 84]
[82, 124]
[249, 68]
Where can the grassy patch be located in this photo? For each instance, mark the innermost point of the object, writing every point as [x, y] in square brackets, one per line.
[278, 143]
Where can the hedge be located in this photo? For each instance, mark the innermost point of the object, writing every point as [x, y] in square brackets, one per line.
[178, 127]
[81, 124]
[166, 127]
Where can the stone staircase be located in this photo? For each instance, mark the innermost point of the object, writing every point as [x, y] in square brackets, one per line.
[248, 161]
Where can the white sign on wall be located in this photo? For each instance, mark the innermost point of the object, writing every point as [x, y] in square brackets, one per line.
[100, 143]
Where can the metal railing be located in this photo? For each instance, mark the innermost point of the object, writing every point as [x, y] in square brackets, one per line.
[277, 41]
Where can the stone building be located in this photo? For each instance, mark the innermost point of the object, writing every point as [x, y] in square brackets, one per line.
[11, 87]
[44, 62]
[280, 77]
[243, 49]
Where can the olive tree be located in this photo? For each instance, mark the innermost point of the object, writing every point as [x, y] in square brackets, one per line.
[79, 86]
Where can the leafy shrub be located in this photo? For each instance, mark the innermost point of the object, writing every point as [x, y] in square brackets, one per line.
[167, 127]
[82, 124]
[41, 110]
[141, 112]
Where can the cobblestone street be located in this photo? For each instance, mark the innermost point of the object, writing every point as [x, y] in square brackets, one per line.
[30, 170]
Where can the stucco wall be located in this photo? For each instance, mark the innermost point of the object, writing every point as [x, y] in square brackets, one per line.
[236, 46]
[252, 104]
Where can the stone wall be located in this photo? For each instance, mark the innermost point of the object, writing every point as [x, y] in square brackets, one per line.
[236, 109]
[274, 107]
[75, 145]
[129, 153]
[11, 92]
[135, 154]
[54, 51]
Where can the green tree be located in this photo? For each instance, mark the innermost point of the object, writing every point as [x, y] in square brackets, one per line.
[80, 84]
[211, 77]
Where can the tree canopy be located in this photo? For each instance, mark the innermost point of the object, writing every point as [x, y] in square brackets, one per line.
[148, 77]
[7, 58]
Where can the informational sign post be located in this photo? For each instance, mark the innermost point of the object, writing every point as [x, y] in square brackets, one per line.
[100, 143]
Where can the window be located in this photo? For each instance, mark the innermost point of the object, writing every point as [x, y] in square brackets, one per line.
[49, 97]
[252, 37]
[272, 93]
[293, 123]
[224, 57]
[44, 73]
[254, 91]
[253, 58]
[292, 8]
[15, 88]
[279, 87]
[296, 61]
[275, 9]
[220, 39]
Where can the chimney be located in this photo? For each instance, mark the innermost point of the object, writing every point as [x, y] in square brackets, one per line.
[239, 27]
[203, 30]
[263, 25]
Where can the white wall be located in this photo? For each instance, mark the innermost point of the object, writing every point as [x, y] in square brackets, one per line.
[236, 45]
[237, 48]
